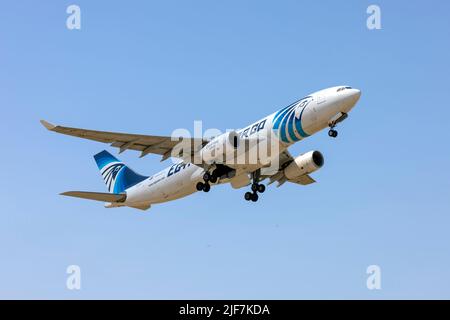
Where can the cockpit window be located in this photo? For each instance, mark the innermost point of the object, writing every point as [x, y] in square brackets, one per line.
[343, 88]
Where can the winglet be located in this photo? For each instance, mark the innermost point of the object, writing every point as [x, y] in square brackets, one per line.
[48, 125]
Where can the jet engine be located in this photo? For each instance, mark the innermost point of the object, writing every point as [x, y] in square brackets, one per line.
[221, 148]
[304, 164]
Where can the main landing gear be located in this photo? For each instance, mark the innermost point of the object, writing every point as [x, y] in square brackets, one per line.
[256, 187]
[205, 187]
[207, 178]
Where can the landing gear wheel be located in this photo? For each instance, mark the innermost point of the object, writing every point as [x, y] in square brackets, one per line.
[206, 187]
[333, 133]
[255, 187]
[200, 186]
[206, 176]
[213, 178]
[261, 188]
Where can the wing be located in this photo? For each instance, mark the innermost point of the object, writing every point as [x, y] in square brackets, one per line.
[285, 160]
[124, 141]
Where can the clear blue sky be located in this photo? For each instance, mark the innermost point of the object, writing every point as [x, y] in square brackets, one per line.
[142, 67]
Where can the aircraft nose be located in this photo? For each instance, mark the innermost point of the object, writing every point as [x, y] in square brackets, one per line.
[352, 97]
[355, 94]
[349, 98]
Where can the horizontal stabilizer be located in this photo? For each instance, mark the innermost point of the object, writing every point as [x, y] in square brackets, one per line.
[98, 196]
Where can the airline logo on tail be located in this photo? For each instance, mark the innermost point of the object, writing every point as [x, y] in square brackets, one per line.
[110, 174]
[117, 176]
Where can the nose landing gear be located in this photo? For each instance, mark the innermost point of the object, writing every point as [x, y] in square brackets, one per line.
[332, 133]
[341, 116]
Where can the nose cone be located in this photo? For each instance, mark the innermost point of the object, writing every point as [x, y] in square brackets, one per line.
[351, 98]
[354, 95]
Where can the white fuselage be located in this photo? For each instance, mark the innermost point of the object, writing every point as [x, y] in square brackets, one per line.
[289, 125]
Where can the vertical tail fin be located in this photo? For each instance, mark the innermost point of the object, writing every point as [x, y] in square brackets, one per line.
[117, 176]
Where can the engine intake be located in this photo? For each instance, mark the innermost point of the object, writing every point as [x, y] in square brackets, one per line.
[304, 164]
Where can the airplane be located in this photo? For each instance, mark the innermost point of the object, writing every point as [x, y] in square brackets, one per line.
[206, 162]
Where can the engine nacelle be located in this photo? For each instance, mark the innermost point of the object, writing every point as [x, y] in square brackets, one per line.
[221, 148]
[304, 164]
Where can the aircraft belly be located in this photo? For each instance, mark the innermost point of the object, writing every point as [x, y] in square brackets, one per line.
[179, 185]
